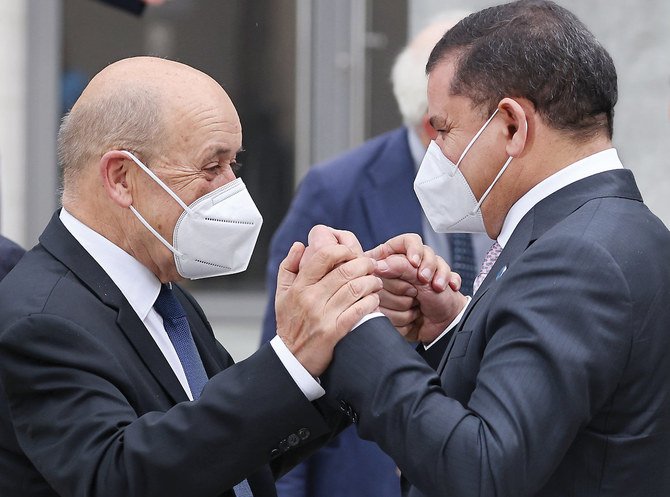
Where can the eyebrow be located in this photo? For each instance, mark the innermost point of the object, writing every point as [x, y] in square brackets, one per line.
[216, 151]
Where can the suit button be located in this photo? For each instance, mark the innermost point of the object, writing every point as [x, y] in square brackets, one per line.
[345, 408]
[284, 445]
[293, 440]
[303, 433]
[275, 453]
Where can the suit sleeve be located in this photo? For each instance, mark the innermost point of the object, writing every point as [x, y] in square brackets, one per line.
[69, 401]
[310, 206]
[559, 335]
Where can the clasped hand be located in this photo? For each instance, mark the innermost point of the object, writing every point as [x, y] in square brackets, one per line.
[420, 293]
[324, 289]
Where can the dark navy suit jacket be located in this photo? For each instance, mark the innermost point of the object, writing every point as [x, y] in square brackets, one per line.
[89, 406]
[367, 191]
[557, 381]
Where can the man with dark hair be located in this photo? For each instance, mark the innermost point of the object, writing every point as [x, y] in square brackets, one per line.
[556, 381]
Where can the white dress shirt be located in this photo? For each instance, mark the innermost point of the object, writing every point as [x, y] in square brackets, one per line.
[140, 287]
[600, 162]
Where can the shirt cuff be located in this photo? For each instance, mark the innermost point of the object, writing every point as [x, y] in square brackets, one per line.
[456, 320]
[367, 317]
[307, 384]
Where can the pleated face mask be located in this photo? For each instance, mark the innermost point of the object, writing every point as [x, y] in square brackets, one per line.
[215, 235]
[445, 195]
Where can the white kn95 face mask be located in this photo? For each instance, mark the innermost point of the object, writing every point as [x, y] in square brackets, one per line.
[445, 195]
[215, 235]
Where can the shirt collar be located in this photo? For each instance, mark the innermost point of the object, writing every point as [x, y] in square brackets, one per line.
[137, 284]
[606, 160]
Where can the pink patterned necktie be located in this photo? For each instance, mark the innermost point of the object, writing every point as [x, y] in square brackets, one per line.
[489, 261]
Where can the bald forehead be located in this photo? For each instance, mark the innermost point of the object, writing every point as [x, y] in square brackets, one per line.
[152, 70]
[174, 83]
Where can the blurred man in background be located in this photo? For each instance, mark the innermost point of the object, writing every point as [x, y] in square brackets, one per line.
[368, 191]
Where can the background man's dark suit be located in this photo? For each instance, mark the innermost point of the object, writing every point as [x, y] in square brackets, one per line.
[366, 191]
[557, 376]
[86, 390]
[10, 253]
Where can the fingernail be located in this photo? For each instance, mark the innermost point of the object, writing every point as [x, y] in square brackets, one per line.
[411, 292]
[416, 259]
[427, 274]
[382, 266]
[441, 282]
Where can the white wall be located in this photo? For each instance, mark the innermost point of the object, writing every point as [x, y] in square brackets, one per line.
[13, 48]
[636, 34]
[29, 113]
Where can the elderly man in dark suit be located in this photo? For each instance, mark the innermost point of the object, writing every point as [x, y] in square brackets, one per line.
[556, 380]
[368, 191]
[111, 380]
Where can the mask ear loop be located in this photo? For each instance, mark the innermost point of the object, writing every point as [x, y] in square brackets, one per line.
[488, 190]
[158, 180]
[167, 189]
[474, 139]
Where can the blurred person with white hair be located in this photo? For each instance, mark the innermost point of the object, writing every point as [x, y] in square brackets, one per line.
[369, 192]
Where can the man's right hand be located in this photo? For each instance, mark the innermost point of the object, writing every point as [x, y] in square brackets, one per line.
[317, 303]
[421, 294]
[416, 309]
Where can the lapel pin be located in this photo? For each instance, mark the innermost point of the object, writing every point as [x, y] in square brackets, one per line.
[501, 272]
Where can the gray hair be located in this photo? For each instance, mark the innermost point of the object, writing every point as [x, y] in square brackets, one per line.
[408, 75]
[124, 119]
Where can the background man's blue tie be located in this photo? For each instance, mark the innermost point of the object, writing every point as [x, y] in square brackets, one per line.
[177, 328]
[463, 260]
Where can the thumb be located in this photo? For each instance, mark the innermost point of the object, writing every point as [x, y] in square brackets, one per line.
[288, 269]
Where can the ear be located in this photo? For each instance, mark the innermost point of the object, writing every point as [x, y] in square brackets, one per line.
[516, 120]
[113, 170]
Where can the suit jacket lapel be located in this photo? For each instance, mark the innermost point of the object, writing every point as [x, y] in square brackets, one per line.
[58, 241]
[390, 209]
[517, 244]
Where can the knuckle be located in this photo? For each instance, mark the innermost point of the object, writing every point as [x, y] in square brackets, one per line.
[356, 289]
[345, 271]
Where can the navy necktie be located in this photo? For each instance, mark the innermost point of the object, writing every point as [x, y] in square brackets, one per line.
[463, 260]
[177, 328]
